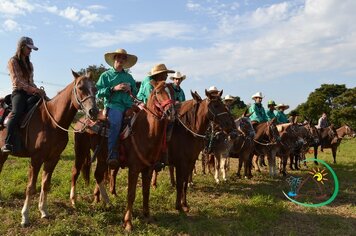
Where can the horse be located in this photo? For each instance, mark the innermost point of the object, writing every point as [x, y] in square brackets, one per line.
[142, 149]
[243, 145]
[48, 136]
[188, 137]
[331, 138]
[266, 143]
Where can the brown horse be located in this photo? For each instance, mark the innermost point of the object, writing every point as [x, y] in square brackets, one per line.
[48, 136]
[142, 149]
[266, 144]
[331, 139]
[188, 137]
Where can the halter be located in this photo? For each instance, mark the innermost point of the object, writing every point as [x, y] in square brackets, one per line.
[273, 135]
[81, 106]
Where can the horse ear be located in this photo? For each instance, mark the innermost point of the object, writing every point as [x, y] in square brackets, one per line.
[75, 74]
[221, 92]
[195, 96]
[90, 75]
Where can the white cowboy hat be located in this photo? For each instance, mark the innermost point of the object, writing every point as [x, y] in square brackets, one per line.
[130, 61]
[282, 105]
[213, 89]
[177, 75]
[257, 95]
[159, 68]
[228, 98]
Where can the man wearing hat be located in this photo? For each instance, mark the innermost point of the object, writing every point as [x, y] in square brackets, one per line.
[281, 117]
[293, 117]
[177, 78]
[271, 109]
[114, 86]
[228, 101]
[258, 113]
[23, 89]
[159, 73]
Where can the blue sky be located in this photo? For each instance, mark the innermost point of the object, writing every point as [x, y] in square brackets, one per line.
[285, 49]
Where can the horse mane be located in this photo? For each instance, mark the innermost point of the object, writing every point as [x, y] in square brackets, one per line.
[186, 113]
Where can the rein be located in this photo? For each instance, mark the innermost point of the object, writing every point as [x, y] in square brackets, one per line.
[80, 103]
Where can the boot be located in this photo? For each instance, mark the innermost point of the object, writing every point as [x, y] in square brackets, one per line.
[113, 160]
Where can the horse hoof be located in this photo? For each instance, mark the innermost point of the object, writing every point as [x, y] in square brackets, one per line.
[25, 224]
[316, 163]
[185, 209]
[128, 226]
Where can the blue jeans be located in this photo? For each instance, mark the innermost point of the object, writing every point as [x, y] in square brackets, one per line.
[115, 117]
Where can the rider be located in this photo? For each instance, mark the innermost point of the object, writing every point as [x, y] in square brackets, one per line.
[281, 117]
[158, 73]
[258, 114]
[323, 121]
[114, 85]
[24, 91]
[270, 112]
[177, 78]
[229, 101]
[293, 116]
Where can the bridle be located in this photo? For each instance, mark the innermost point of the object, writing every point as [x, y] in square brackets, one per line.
[79, 106]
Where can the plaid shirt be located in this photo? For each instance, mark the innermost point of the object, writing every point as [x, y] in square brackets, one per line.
[17, 78]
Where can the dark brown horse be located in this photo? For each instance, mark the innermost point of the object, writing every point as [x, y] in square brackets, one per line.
[142, 149]
[188, 137]
[48, 136]
[331, 138]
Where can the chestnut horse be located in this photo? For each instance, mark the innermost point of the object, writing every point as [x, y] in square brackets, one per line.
[188, 137]
[46, 136]
[142, 149]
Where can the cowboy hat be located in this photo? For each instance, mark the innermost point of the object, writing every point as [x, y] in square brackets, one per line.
[28, 42]
[257, 95]
[213, 89]
[228, 98]
[130, 61]
[177, 75]
[282, 105]
[159, 68]
[271, 103]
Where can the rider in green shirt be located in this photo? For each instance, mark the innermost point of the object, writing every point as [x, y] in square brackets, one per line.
[177, 78]
[258, 114]
[281, 117]
[271, 109]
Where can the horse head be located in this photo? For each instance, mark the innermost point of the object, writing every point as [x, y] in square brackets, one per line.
[83, 98]
[272, 131]
[219, 114]
[313, 134]
[161, 101]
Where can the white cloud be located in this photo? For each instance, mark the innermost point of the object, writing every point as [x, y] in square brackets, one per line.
[15, 7]
[138, 33]
[11, 25]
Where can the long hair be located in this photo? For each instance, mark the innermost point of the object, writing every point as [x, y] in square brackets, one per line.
[25, 64]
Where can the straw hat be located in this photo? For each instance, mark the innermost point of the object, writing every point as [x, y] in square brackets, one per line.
[159, 68]
[271, 103]
[213, 89]
[283, 106]
[131, 59]
[257, 95]
[177, 75]
[228, 98]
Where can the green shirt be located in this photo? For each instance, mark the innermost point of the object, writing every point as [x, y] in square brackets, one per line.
[178, 93]
[145, 89]
[258, 113]
[118, 99]
[281, 117]
[270, 114]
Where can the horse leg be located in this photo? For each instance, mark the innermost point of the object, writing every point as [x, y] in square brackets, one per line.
[179, 188]
[316, 155]
[239, 167]
[3, 158]
[223, 166]
[217, 168]
[154, 179]
[48, 169]
[255, 163]
[99, 175]
[78, 163]
[333, 149]
[203, 162]
[291, 159]
[184, 196]
[171, 175]
[131, 195]
[112, 180]
[271, 164]
[296, 159]
[146, 177]
[284, 165]
[30, 191]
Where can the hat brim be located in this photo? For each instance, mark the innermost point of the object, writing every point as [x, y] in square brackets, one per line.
[182, 78]
[32, 47]
[284, 106]
[160, 71]
[130, 61]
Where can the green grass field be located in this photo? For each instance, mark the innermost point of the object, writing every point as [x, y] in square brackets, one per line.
[237, 207]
